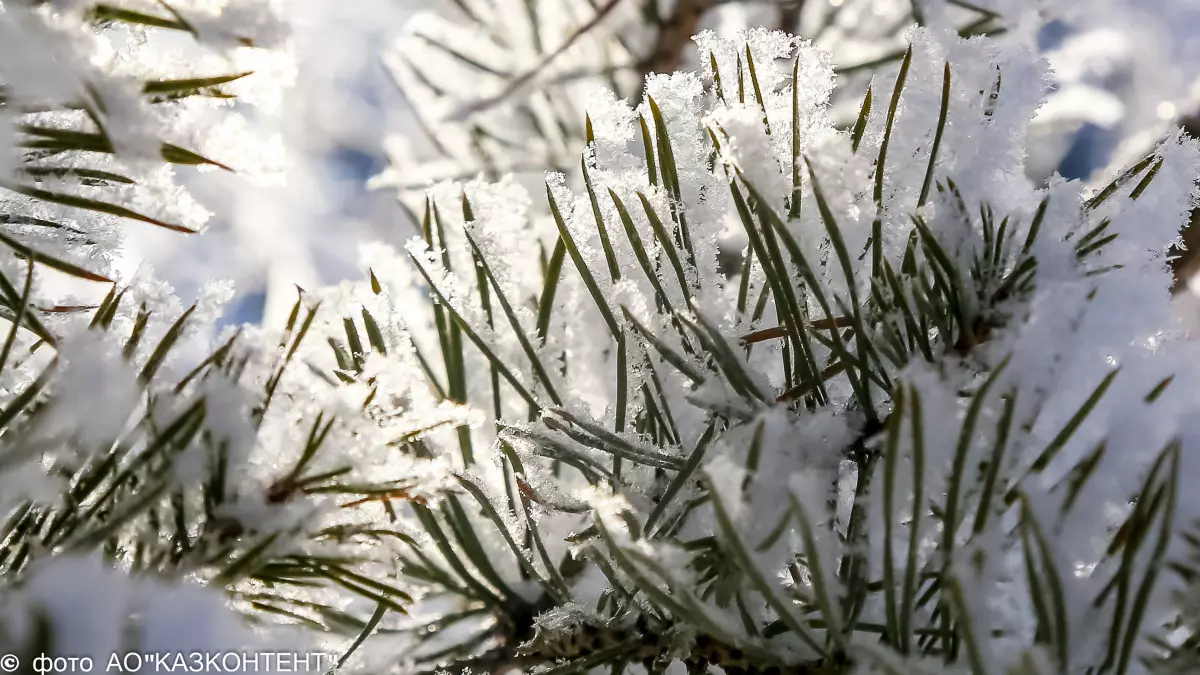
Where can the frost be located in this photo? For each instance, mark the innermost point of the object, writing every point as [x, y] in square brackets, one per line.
[754, 339]
[93, 378]
[738, 383]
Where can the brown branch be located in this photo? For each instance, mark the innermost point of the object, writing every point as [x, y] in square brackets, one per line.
[674, 35]
[528, 76]
[1185, 262]
[789, 17]
[653, 649]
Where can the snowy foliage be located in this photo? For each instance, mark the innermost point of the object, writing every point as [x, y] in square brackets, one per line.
[789, 368]
[500, 86]
[935, 419]
[151, 486]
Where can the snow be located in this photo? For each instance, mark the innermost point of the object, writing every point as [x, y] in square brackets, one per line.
[325, 479]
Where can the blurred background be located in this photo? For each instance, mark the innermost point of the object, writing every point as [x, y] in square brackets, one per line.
[304, 227]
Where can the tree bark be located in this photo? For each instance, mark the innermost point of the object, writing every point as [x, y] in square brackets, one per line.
[674, 35]
[789, 17]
